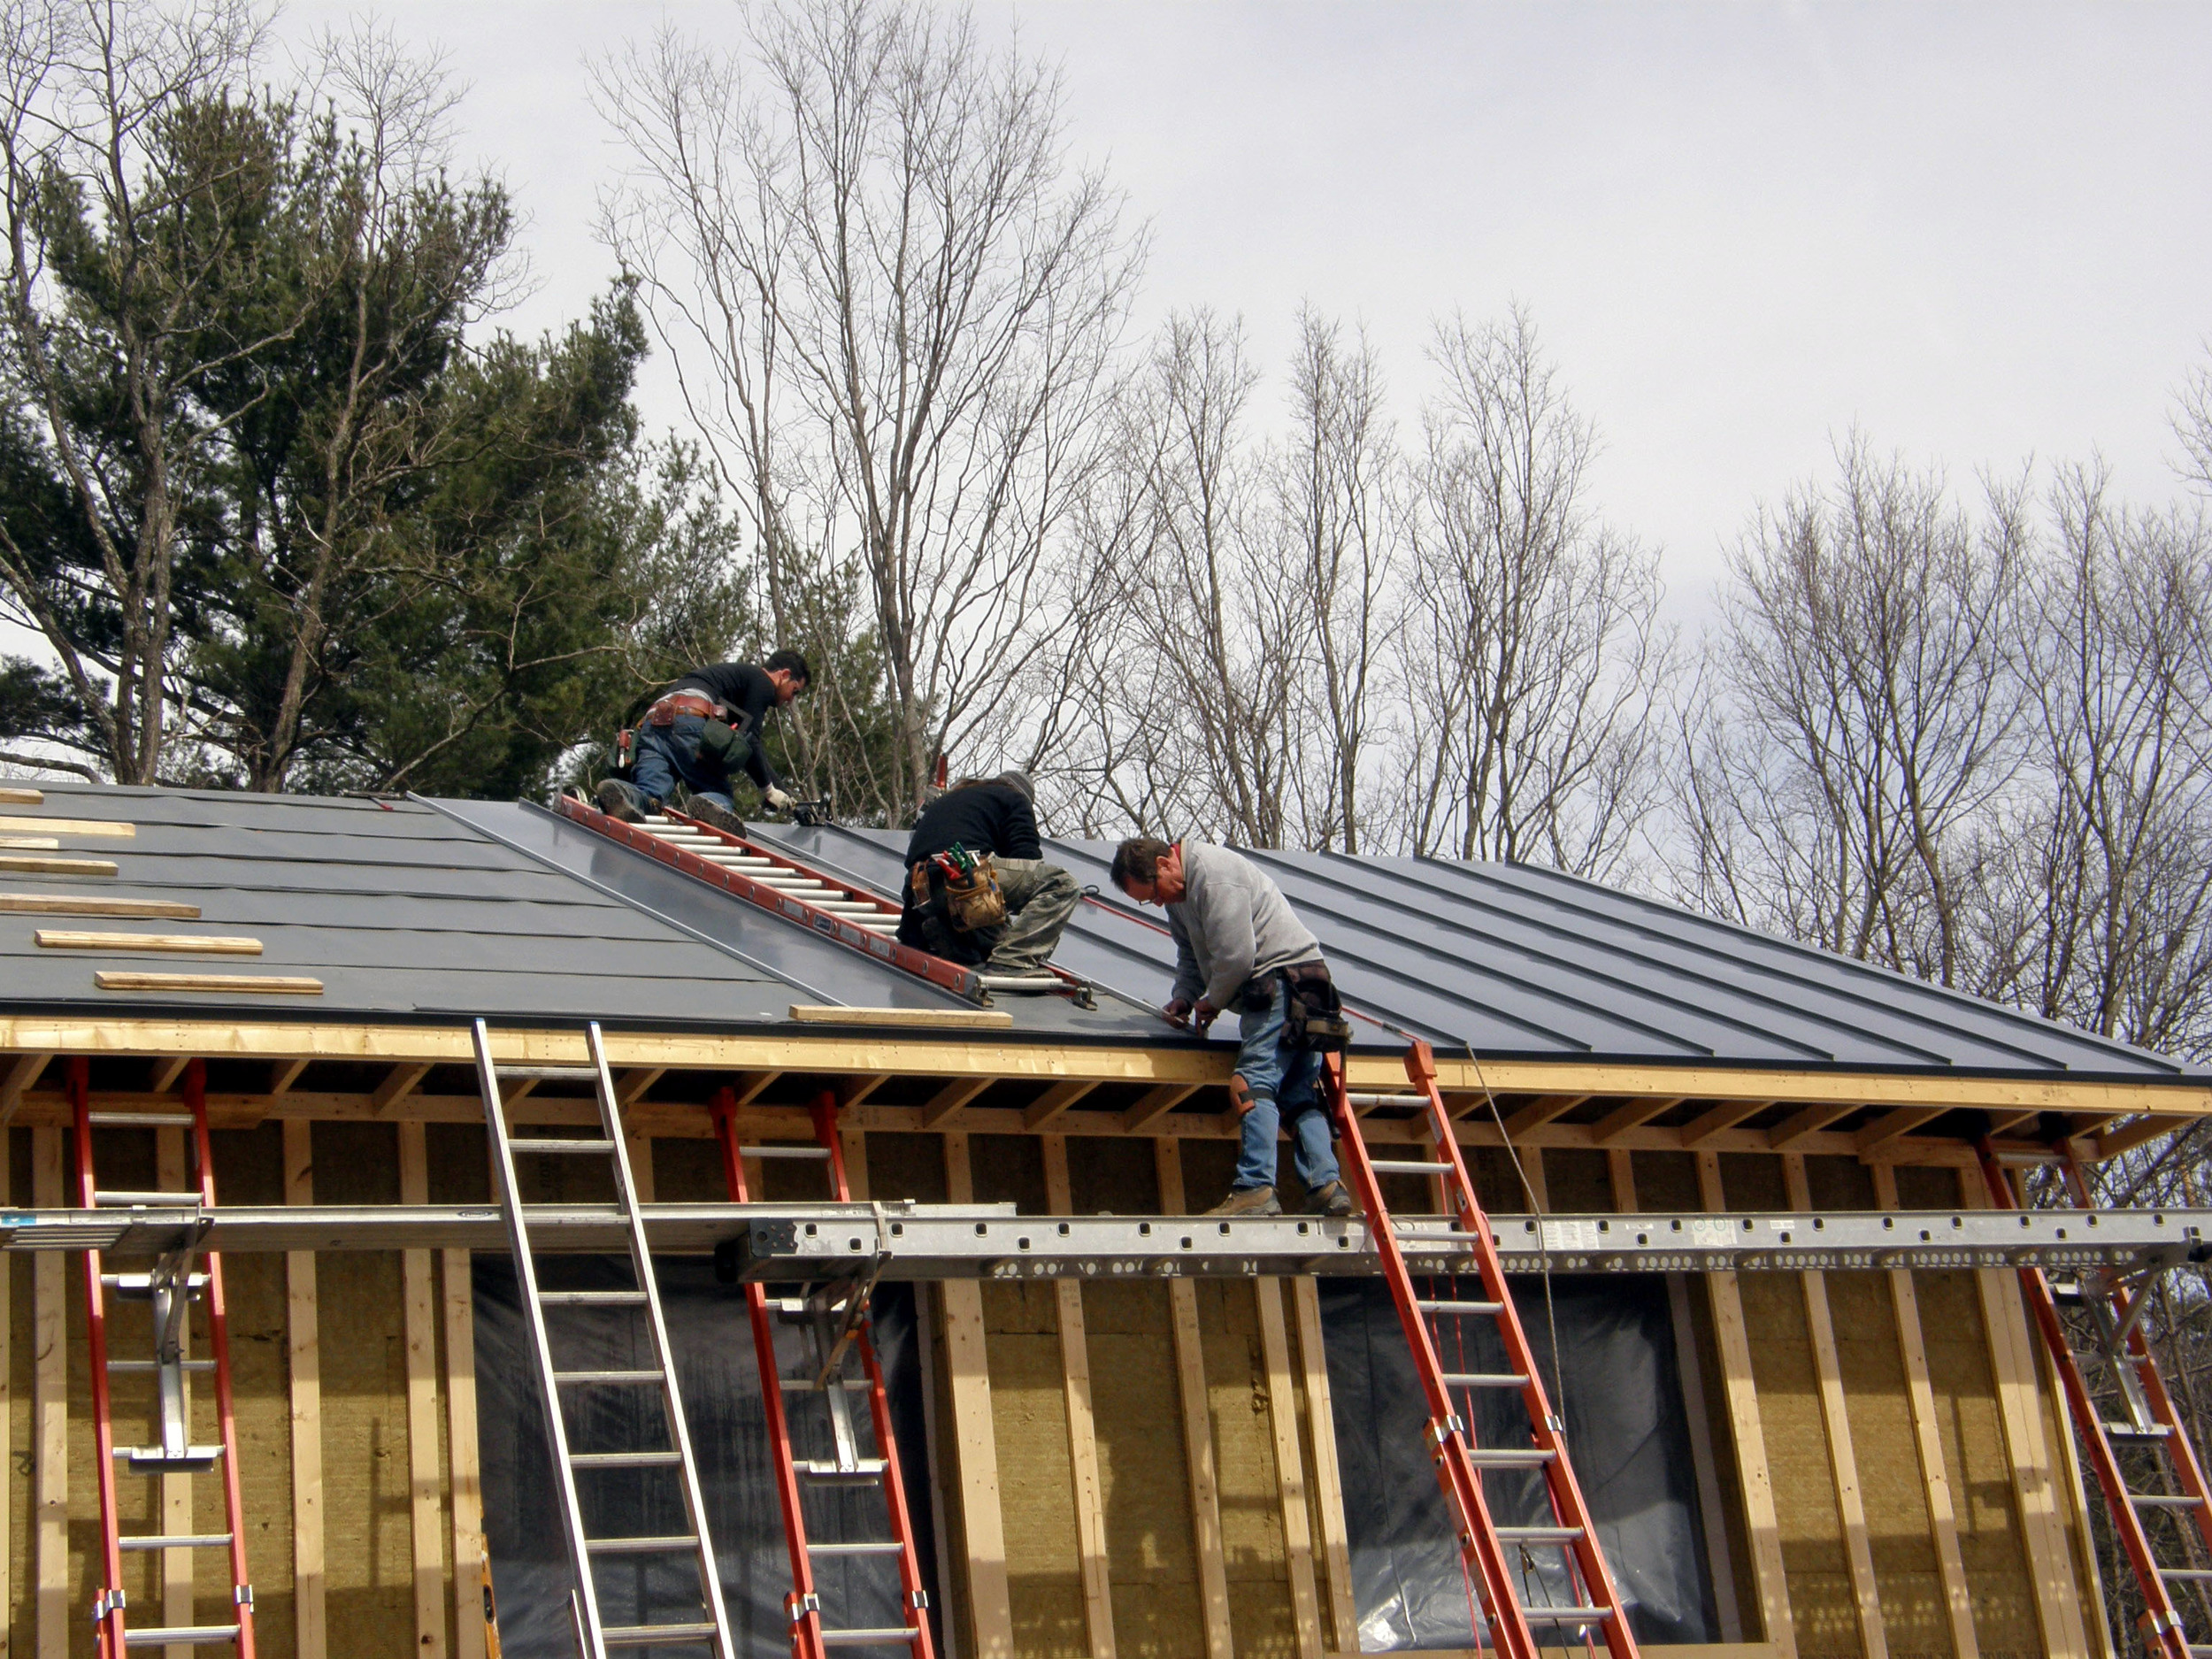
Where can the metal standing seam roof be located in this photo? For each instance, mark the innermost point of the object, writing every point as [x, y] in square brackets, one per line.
[1526, 964]
[437, 911]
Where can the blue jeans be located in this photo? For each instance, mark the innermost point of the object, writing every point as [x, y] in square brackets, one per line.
[667, 754]
[1280, 1078]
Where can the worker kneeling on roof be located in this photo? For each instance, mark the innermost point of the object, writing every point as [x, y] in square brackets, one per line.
[705, 726]
[978, 889]
[1238, 944]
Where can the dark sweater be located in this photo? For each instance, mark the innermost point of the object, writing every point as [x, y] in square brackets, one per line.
[749, 697]
[984, 817]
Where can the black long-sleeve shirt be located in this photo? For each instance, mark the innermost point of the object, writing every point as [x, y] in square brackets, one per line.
[750, 697]
[984, 817]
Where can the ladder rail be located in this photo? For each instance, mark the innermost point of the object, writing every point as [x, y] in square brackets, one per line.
[218, 1340]
[2166, 1635]
[680, 1431]
[590, 1631]
[804, 1605]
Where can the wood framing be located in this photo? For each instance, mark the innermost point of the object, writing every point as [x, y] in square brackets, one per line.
[1075, 1370]
[426, 1482]
[1935, 1478]
[1290, 1479]
[50, 1412]
[1198, 1435]
[975, 1435]
[1734, 1339]
[1835, 1419]
[304, 1349]
[1328, 1479]
[465, 1473]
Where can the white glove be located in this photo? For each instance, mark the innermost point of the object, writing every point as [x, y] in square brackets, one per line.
[779, 800]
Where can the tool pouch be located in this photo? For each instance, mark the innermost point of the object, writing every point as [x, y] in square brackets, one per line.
[976, 902]
[625, 750]
[724, 743]
[1312, 1012]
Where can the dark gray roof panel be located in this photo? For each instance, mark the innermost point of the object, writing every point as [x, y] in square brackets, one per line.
[1524, 963]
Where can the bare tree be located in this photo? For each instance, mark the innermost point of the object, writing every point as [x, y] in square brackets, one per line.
[1532, 652]
[1864, 718]
[892, 306]
[137, 176]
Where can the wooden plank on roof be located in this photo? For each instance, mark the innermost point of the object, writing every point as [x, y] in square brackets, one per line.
[1328, 1476]
[975, 1437]
[30, 843]
[1290, 1472]
[303, 1349]
[425, 1477]
[1198, 1439]
[88, 904]
[931, 1018]
[98, 829]
[1075, 1375]
[189, 944]
[232, 984]
[1843, 1465]
[1731, 1336]
[1935, 1476]
[18, 794]
[49, 1413]
[55, 864]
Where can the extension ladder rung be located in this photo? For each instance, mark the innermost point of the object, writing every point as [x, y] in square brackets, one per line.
[1565, 1614]
[155, 1460]
[2195, 1574]
[2130, 1434]
[174, 1541]
[147, 1367]
[610, 1379]
[1531, 1458]
[548, 1074]
[591, 1298]
[2163, 1500]
[1463, 1310]
[885, 1547]
[658, 1546]
[806, 1154]
[866, 1638]
[1484, 1380]
[653, 1635]
[862, 1472]
[1368, 1102]
[550, 1145]
[624, 1460]
[1538, 1535]
[141, 1287]
[141, 1120]
[1408, 1166]
[182, 1635]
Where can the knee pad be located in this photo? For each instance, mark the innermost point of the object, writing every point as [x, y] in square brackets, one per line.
[1241, 1093]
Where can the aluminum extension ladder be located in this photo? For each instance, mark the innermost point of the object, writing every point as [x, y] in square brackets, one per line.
[1511, 1605]
[169, 1290]
[709, 1623]
[2126, 1410]
[833, 1317]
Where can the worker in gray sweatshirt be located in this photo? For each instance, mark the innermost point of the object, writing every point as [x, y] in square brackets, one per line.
[1239, 945]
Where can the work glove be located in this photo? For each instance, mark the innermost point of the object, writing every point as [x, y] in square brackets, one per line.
[779, 800]
[1178, 1011]
[1204, 1015]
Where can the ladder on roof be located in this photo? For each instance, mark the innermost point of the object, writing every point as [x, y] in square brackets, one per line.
[833, 1320]
[2137, 1444]
[704, 1623]
[169, 1290]
[830, 905]
[1540, 1585]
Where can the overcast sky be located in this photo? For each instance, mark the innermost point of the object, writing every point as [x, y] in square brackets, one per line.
[1980, 234]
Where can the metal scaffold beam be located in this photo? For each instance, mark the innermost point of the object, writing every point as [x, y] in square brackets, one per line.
[937, 1241]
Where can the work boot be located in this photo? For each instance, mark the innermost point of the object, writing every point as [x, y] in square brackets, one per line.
[1249, 1201]
[614, 800]
[1329, 1199]
[717, 817]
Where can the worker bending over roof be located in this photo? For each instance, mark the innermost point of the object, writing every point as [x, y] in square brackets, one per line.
[705, 726]
[1239, 945]
[951, 914]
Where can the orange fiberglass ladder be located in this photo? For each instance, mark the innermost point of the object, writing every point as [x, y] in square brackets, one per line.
[169, 1290]
[2127, 1411]
[833, 1317]
[1504, 1563]
[834, 906]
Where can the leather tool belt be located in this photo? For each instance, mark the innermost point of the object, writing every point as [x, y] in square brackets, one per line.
[676, 703]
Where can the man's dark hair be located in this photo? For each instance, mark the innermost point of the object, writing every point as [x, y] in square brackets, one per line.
[1137, 859]
[795, 663]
